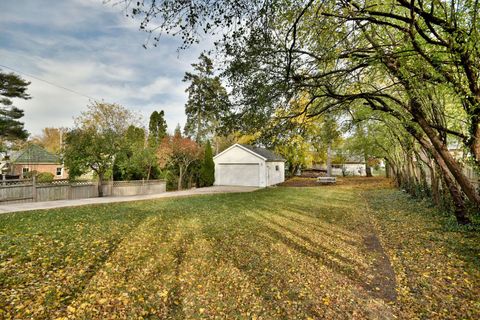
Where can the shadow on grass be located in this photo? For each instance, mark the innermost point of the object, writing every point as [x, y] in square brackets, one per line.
[174, 299]
[433, 225]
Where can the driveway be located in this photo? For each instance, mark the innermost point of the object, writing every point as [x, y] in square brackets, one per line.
[29, 206]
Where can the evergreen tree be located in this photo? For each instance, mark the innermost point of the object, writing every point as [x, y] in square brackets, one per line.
[178, 131]
[157, 128]
[207, 171]
[12, 86]
[208, 102]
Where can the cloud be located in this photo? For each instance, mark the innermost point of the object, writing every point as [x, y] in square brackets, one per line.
[92, 49]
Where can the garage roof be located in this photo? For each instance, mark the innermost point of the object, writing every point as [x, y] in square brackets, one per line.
[262, 153]
[267, 154]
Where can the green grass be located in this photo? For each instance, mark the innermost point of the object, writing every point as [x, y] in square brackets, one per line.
[280, 253]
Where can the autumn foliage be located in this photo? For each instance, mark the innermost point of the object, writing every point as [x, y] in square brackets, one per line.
[178, 152]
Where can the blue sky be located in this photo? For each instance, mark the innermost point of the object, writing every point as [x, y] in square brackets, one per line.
[92, 48]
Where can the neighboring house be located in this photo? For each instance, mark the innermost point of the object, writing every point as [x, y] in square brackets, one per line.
[35, 158]
[349, 166]
[245, 165]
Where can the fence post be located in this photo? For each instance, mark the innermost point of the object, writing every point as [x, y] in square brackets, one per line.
[34, 188]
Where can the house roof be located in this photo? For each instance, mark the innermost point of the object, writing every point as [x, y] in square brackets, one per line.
[269, 155]
[35, 154]
[262, 153]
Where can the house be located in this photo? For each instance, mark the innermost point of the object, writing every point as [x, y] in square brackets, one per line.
[344, 166]
[35, 158]
[246, 165]
[351, 166]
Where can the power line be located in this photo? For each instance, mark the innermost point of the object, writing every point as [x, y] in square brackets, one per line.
[49, 82]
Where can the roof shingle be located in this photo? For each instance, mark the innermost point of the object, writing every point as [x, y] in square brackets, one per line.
[270, 155]
[35, 154]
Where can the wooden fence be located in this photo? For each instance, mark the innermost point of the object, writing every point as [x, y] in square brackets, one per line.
[28, 190]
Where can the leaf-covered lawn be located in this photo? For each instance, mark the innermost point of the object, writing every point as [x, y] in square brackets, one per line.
[360, 250]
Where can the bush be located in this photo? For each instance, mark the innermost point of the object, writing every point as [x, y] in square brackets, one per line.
[29, 174]
[44, 177]
[207, 171]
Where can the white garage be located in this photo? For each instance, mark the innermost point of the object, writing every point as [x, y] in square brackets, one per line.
[246, 165]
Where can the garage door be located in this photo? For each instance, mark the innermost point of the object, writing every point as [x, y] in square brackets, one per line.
[238, 174]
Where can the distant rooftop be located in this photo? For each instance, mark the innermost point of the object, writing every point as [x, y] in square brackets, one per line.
[270, 155]
[34, 154]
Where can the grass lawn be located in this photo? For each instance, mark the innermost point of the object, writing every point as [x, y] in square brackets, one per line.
[357, 250]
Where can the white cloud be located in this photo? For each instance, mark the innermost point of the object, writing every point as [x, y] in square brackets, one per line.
[95, 50]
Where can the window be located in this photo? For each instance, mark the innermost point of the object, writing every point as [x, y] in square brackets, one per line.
[25, 170]
[59, 171]
[277, 168]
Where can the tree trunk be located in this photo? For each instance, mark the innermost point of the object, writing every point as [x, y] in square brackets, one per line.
[450, 162]
[475, 145]
[180, 178]
[409, 175]
[368, 169]
[148, 172]
[329, 160]
[100, 184]
[199, 125]
[434, 184]
[457, 198]
[293, 169]
[415, 109]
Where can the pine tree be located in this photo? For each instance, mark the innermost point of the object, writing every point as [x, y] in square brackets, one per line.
[12, 86]
[208, 103]
[178, 131]
[207, 172]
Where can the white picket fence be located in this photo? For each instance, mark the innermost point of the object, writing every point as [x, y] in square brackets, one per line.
[28, 190]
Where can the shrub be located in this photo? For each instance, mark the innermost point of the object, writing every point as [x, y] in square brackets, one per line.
[45, 177]
[29, 174]
[207, 171]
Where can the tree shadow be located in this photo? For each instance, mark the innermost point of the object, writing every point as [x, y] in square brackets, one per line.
[261, 274]
[174, 303]
[317, 227]
[324, 254]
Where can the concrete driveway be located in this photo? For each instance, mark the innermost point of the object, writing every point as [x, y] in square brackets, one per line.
[29, 206]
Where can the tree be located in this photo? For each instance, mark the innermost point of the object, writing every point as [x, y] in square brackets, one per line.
[178, 152]
[51, 139]
[361, 144]
[136, 159]
[399, 58]
[96, 140]
[12, 86]
[157, 128]
[208, 102]
[207, 170]
[178, 131]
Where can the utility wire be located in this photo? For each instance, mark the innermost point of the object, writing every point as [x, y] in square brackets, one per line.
[49, 82]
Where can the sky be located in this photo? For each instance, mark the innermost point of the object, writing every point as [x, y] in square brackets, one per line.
[93, 49]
